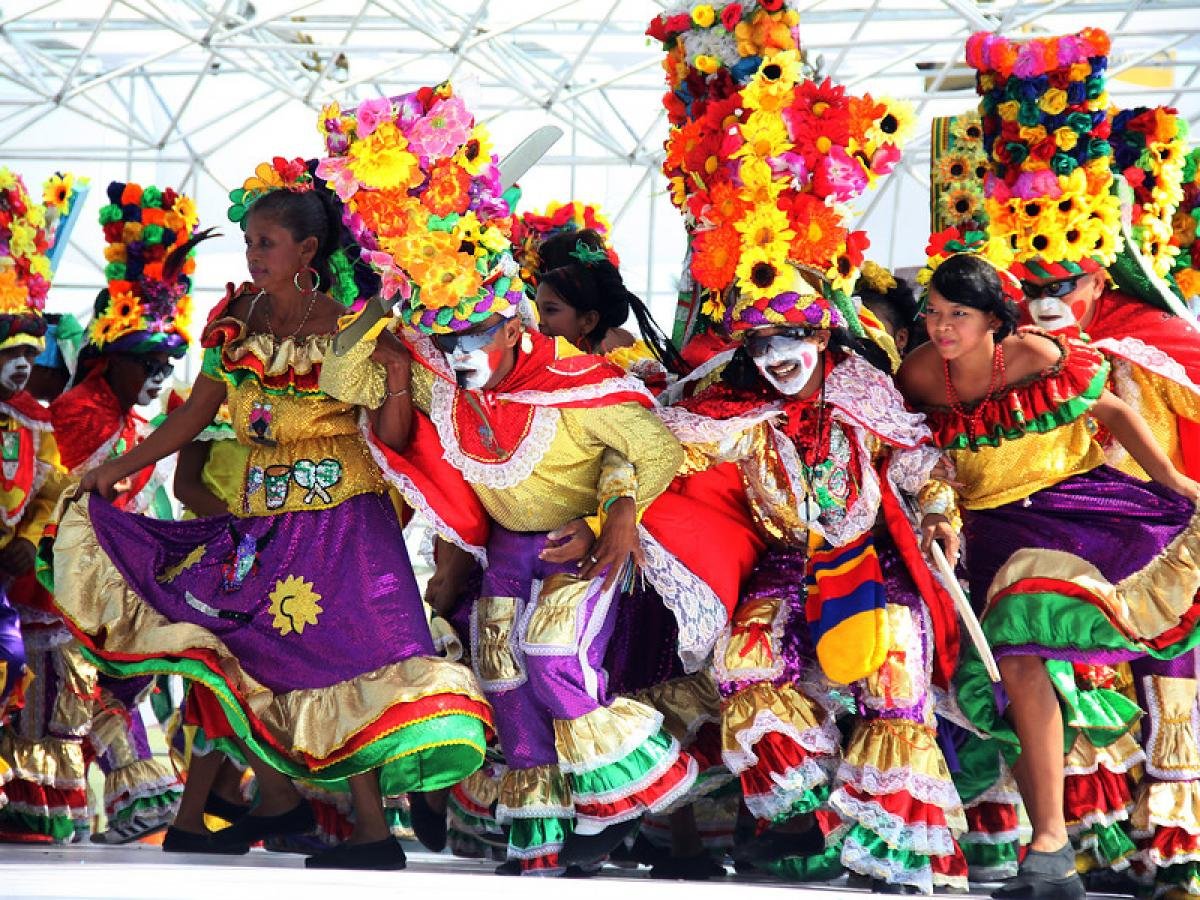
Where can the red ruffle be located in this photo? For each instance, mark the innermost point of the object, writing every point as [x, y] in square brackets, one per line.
[902, 805]
[28, 406]
[777, 755]
[1101, 792]
[1172, 844]
[1020, 404]
[617, 810]
[992, 818]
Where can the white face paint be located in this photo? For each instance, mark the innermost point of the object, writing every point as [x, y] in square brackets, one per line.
[14, 374]
[473, 369]
[788, 362]
[150, 389]
[1051, 313]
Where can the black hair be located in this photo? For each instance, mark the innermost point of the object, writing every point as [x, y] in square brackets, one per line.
[900, 309]
[970, 280]
[741, 372]
[555, 251]
[306, 214]
[598, 287]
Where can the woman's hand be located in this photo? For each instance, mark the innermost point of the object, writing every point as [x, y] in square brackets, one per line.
[568, 544]
[936, 527]
[391, 353]
[618, 541]
[103, 480]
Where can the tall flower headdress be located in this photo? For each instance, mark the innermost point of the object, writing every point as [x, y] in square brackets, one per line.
[1043, 107]
[1185, 224]
[147, 306]
[422, 197]
[24, 265]
[958, 165]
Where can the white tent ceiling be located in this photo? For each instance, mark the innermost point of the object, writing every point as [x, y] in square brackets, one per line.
[196, 92]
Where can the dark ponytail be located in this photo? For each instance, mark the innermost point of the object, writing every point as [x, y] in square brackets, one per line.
[306, 214]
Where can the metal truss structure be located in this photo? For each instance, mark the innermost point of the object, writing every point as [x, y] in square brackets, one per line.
[194, 93]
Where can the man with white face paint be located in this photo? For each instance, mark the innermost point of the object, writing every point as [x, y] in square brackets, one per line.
[787, 358]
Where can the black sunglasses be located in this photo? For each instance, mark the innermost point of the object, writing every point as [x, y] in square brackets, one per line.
[1055, 289]
[152, 367]
[757, 344]
[467, 342]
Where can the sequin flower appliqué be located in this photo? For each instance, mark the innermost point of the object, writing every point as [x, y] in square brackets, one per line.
[294, 604]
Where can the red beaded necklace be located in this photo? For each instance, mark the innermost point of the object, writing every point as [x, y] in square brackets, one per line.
[975, 417]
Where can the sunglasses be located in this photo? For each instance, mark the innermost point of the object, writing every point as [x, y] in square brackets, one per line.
[467, 343]
[1055, 289]
[153, 368]
[758, 344]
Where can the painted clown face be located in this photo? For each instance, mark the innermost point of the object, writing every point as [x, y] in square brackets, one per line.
[1064, 303]
[16, 365]
[475, 356]
[786, 358]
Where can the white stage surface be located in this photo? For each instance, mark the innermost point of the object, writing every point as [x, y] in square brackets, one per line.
[144, 872]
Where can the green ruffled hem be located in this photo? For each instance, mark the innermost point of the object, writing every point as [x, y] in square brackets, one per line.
[1184, 878]
[1109, 844]
[627, 773]
[896, 859]
[805, 803]
[991, 856]
[1065, 413]
[60, 829]
[474, 824]
[425, 756]
[1103, 715]
[819, 867]
[526, 836]
[398, 819]
[162, 802]
[979, 767]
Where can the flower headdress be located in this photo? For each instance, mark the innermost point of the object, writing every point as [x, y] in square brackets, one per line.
[422, 197]
[277, 175]
[876, 278]
[958, 165]
[531, 230]
[1185, 224]
[955, 242]
[147, 305]
[1045, 126]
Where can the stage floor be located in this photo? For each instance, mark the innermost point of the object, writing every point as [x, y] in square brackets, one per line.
[143, 872]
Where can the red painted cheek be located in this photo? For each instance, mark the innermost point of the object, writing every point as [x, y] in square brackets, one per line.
[1079, 309]
[495, 358]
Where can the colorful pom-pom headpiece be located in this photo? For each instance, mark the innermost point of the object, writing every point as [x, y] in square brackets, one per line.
[1043, 108]
[24, 265]
[764, 170]
[423, 198]
[955, 242]
[147, 306]
[531, 230]
[1185, 225]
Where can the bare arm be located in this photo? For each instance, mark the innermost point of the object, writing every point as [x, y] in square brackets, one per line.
[392, 421]
[1134, 434]
[189, 485]
[179, 430]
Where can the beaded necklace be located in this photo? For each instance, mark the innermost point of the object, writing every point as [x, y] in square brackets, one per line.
[975, 417]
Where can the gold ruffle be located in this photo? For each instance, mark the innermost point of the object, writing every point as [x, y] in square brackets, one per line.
[605, 735]
[1171, 702]
[554, 623]
[1167, 803]
[318, 722]
[140, 778]
[277, 356]
[686, 703]
[540, 788]
[495, 658]
[1148, 603]
[50, 762]
[483, 787]
[888, 745]
[1121, 755]
[784, 704]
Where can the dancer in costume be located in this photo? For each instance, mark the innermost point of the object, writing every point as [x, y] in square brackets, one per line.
[1059, 216]
[890, 300]
[30, 481]
[1077, 563]
[513, 447]
[302, 669]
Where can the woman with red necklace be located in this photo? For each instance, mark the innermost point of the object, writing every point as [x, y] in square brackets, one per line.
[1076, 562]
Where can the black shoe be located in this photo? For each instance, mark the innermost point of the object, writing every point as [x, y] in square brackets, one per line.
[177, 840]
[774, 845]
[216, 805]
[580, 872]
[585, 849]
[879, 886]
[251, 829]
[384, 856]
[700, 867]
[1106, 881]
[509, 867]
[427, 824]
[1045, 875]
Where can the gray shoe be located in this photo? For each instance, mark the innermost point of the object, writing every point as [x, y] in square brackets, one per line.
[1045, 875]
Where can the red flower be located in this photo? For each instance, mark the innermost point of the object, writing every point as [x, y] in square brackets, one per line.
[113, 232]
[1134, 176]
[730, 16]
[771, 5]
[1044, 149]
[657, 29]
[679, 23]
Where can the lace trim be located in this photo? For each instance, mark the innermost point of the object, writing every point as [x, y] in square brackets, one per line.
[857, 857]
[651, 725]
[1153, 858]
[1147, 357]
[824, 740]
[656, 772]
[49, 812]
[506, 814]
[499, 475]
[164, 471]
[698, 611]
[927, 840]
[691, 428]
[991, 838]
[586, 823]
[868, 398]
[1127, 389]
[787, 788]
[413, 497]
[1116, 766]
[623, 384]
[1095, 818]
[162, 787]
[924, 788]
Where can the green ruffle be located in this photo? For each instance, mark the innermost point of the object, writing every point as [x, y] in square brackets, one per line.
[1108, 843]
[1063, 414]
[159, 802]
[620, 778]
[529, 834]
[805, 803]
[59, 828]
[979, 767]
[991, 857]
[823, 866]
[880, 849]
[427, 755]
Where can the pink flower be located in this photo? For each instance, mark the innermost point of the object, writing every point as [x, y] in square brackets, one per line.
[839, 175]
[790, 164]
[445, 128]
[370, 113]
[1042, 183]
[409, 108]
[341, 180]
[885, 159]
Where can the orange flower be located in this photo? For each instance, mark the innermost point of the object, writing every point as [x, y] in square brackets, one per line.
[819, 231]
[715, 257]
[447, 190]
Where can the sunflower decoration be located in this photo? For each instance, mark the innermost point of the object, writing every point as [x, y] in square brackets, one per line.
[151, 238]
[1184, 227]
[1045, 119]
[961, 204]
[421, 194]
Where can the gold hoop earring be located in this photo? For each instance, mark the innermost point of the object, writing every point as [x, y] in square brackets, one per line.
[314, 278]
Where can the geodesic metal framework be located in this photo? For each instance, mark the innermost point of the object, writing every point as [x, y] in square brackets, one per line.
[194, 92]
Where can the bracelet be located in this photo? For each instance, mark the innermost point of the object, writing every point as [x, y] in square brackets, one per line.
[611, 500]
[389, 394]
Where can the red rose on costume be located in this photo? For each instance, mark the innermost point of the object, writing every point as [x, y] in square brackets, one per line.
[771, 5]
[730, 16]
[657, 29]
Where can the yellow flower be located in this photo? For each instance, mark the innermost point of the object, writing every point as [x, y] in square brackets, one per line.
[783, 65]
[1066, 138]
[895, 125]
[476, 154]
[22, 237]
[332, 111]
[39, 264]
[1189, 282]
[766, 136]
[1079, 71]
[762, 273]
[756, 173]
[1053, 102]
[185, 207]
[57, 191]
[955, 167]
[766, 227]
[703, 15]
[1033, 134]
[114, 253]
[967, 129]
[1099, 103]
[706, 64]
[767, 96]
[382, 161]
[1008, 110]
[295, 605]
